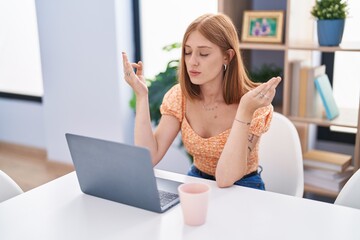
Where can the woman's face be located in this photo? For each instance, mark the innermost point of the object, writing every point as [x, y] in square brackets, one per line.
[203, 59]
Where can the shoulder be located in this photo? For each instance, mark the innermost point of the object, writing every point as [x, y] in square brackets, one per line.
[173, 103]
[174, 92]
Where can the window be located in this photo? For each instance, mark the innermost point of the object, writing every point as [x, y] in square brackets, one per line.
[346, 74]
[346, 78]
[20, 67]
[164, 22]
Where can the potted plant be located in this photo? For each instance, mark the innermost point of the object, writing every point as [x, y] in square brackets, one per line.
[330, 15]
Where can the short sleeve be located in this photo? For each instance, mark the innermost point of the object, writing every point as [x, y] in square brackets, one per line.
[261, 120]
[173, 103]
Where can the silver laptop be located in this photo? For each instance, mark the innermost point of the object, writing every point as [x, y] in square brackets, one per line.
[120, 173]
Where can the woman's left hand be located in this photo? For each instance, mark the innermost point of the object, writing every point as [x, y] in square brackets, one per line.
[260, 96]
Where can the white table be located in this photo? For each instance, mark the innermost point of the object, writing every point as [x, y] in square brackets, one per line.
[59, 210]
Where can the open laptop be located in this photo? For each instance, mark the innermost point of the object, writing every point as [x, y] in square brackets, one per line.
[121, 173]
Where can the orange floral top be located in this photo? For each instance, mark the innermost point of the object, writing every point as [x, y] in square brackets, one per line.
[206, 151]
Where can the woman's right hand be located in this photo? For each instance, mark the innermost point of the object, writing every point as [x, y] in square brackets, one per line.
[135, 79]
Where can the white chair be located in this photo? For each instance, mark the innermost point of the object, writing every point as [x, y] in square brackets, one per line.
[350, 194]
[280, 156]
[175, 160]
[8, 187]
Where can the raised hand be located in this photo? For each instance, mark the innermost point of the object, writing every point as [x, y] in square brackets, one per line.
[260, 96]
[135, 79]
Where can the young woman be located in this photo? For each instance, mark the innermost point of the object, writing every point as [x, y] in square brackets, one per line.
[221, 113]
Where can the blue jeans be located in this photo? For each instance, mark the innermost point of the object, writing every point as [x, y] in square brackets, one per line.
[251, 180]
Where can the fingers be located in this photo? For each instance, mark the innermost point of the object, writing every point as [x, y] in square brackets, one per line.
[129, 67]
[125, 60]
[126, 65]
[272, 84]
[267, 90]
[139, 68]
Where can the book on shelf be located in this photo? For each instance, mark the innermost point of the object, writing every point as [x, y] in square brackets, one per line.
[329, 174]
[295, 67]
[326, 160]
[309, 98]
[329, 180]
[302, 92]
[313, 100]
[323, 86]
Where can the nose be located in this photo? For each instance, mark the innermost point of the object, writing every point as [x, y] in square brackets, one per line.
[193, 61]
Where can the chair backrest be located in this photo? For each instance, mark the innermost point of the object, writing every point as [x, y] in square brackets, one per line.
[350, 194]
[175, 160]
[280, 156]
[8, 187]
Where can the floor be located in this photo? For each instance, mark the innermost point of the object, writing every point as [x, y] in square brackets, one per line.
[29, 167]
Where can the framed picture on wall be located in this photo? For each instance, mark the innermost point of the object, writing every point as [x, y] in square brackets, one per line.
[262, 26]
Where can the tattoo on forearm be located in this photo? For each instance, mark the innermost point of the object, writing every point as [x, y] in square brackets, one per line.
[251, 138]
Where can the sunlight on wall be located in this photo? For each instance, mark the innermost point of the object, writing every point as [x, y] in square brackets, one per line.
[346, 76]
[164, 22]
[20, 67]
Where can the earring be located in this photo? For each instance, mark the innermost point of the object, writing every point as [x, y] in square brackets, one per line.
[225, 67]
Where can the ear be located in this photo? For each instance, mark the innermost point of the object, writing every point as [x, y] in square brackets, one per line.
[229, 54]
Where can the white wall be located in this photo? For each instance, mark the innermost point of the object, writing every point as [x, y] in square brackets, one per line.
[88, 70]
[83, 89]
[22, 122]
[20, 70]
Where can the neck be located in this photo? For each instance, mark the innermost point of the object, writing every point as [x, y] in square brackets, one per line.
[211, 93]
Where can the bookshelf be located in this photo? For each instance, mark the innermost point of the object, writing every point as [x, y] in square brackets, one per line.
[296, 44]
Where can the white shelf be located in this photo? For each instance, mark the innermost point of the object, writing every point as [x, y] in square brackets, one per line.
[347, 118]
[344, 47]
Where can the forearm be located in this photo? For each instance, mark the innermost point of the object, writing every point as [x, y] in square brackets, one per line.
[232, 164]
[143, 133]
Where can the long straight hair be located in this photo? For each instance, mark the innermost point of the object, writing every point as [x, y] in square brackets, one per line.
[220, 30]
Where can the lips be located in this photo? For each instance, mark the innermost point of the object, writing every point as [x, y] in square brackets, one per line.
[194, 73]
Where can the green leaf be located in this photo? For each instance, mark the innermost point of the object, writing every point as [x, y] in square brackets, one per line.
[265, 72]
[330, 9]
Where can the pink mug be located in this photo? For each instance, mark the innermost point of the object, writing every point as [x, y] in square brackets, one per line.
[194, 198]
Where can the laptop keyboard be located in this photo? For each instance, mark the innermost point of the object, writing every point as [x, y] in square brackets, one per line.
[166, 197]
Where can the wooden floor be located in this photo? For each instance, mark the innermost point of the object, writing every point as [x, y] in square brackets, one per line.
[29, 167]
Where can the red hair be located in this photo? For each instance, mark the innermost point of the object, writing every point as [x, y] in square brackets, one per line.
[220, 30]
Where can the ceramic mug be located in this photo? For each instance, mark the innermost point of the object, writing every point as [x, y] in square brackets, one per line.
[194, 199]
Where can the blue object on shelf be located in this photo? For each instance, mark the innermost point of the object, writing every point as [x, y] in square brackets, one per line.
[323, 86]
[330, 32]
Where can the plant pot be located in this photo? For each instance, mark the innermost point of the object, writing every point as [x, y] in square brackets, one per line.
[330, 32]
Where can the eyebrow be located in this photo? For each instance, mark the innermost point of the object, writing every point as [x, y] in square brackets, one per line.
[200, 47]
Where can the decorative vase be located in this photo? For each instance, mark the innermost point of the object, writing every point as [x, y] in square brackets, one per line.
[330, 32]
